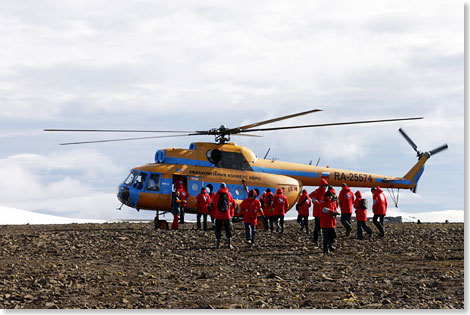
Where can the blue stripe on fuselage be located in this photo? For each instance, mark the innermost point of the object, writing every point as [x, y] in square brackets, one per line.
[173, 160]
[398, 181]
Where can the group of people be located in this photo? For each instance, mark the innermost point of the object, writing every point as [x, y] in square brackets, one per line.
[325, 210]
[271, 209]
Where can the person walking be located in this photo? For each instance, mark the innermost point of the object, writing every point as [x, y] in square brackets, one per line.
[175, 209]
[346, 201]
[303, 206]
[183, 195]
[360, 204]
[223, 210]
[328, 222]
[268, 209]
[318, 196]
[281, 204]
[250, 208]
[203, 201]
[380, 209]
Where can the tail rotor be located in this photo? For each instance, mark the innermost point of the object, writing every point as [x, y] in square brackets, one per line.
[415, 147]
[437, 150]
[415, 173]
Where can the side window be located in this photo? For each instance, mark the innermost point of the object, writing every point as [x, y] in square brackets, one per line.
[139, 182]
[153, 183]
[130, 179]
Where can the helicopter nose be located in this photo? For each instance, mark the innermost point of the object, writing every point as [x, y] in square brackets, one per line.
[123, 195]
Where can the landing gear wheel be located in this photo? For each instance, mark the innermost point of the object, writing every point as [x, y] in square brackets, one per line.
[161, 224]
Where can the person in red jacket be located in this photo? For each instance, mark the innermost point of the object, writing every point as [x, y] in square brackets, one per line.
[250, 208]
[183, 196]
[223, 208]
[318, 196]
[268, 208]
[203, 201]
[346, 201]
[380, 209]
[328, 222]
[360, 205]
[303, 206]
[211, 205]
[280, 204]
[175, 209]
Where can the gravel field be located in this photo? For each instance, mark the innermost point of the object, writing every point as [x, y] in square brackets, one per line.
[131, 265]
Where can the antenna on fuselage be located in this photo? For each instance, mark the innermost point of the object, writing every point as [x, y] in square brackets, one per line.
[267, 153]
[318, 161]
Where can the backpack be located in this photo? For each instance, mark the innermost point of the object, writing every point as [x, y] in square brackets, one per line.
[222, 203]
[270, 200]
[363, 204]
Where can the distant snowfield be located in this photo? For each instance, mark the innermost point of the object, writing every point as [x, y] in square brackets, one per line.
[432, 216]
[12, 216]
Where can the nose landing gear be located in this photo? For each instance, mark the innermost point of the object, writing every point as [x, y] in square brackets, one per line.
[160, 224]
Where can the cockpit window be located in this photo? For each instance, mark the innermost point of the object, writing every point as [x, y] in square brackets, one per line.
[130, 179]
[153, 183]
[139, 182]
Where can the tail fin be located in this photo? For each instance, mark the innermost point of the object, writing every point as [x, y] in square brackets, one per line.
[414, 174]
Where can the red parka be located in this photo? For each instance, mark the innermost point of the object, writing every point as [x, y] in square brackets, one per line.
[380, 202]
[346, 200]
[318, 196]
[183, 195]
[218, 214]
[361, 214]
[281, 204]
[268, 207]
[203, 201]
[233, 206]
[328, 220]
[250, 209]
[305, 202]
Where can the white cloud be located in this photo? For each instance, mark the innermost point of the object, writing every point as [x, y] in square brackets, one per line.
[66, 183]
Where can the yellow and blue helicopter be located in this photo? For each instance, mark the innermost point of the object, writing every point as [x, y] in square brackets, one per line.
[207, 165]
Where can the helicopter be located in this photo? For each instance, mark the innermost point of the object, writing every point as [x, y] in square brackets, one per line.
[207, 165]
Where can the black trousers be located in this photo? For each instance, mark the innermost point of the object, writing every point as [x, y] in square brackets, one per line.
[346, 221]
[227, 226]
[360, 226]
[182, 209]
[204, 215]
[329, 236]
[303, 222]
[316, 229]
[379, 223]
[270, 220]
[279, 220]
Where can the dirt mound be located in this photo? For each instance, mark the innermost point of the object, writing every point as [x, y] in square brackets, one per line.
[128, 265]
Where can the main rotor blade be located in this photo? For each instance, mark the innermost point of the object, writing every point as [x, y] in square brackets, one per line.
[437, 150]
[238, 129]
[127, 139]
[119, 130]
[241, 134]
[413, 145]
[332, 124]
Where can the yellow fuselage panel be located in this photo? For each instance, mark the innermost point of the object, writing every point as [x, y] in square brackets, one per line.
[310, 175]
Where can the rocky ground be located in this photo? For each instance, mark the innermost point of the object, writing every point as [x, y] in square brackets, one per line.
[130, 265]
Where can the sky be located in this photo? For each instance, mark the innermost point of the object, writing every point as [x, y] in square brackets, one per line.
[185, 65]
